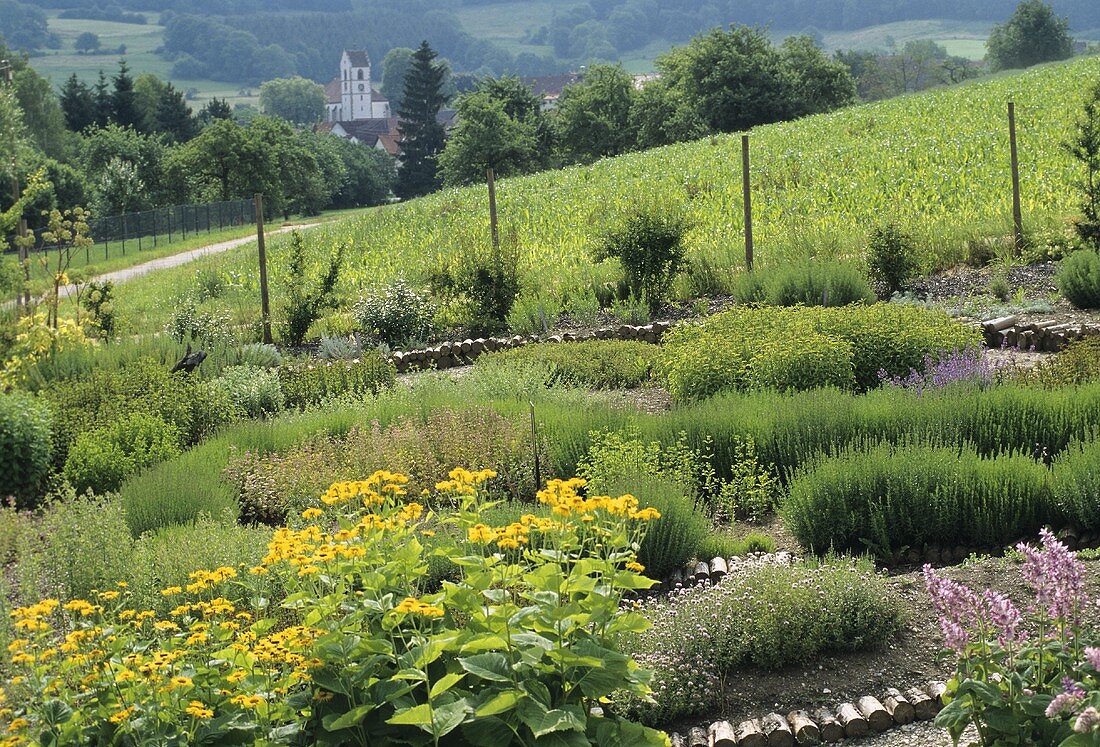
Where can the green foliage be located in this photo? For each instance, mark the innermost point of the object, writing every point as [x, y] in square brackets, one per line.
[600, 364]
[891, 257]
[294, 99]
[100, 459]
[649, 244]
[593, 117]
[97, 298]
[306, 384]
[1032, 35]
[884, 499]
[306, 299]
[534, 315]
[252, 390]
[491, 284]
[1084, 145]
[25, 447]
[1078, 363]
[810, 283]
[769, 617]
[187, 323]
[422, 134]
[751, 492]
[1077, 485]
[396, 313]
[726, 545]
[1078, 278]
[802, 347]
[612, 453]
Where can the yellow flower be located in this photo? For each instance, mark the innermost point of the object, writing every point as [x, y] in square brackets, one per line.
[180, 681]
[236, 677]
[635, 566]
[248, 701]
[123, 715]
[172, 591]
[312, 513]
[108, 596]
[199, 710]
[257, 570]
[481, 534]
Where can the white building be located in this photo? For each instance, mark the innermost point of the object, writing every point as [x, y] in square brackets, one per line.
[350, 97]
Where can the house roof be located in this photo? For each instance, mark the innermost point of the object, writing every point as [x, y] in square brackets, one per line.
[362, 129]
[358, 57]
[550, 86]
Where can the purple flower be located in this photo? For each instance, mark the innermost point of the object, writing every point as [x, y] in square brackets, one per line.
[1004, 616]
[948, 367]
[1092, 656]
[1056, 576]
[1087, 721]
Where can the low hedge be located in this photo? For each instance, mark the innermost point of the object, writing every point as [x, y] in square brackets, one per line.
[600, 364]
[25, 447]
[306, 384]
[887, 498]
[1077, 485]
[101, 459]
[811, 283]
[721, 353]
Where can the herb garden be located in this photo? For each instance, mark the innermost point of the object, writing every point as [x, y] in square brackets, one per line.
[457, 505]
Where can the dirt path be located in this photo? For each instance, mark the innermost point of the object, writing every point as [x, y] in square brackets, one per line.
[172, 260]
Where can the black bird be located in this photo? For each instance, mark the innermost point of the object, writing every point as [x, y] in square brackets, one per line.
[190, 361]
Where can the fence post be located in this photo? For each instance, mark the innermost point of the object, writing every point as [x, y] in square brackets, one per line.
[139, 231]
[1017, 214]
[493, 209]
[746, 191]
[154, 228]
[124, 234]
[264, 312]
[183, 220]
[24, 298]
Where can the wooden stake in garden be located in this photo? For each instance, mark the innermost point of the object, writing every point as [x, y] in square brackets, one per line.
[747, 192]
[493, 210]
[265, 311]
[1017, 215]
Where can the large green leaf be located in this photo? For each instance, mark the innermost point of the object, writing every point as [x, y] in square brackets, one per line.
[491, 666]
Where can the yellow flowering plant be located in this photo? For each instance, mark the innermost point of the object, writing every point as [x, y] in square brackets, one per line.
[522, 648]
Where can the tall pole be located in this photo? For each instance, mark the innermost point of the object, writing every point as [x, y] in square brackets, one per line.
[493, 209]
[23, 299]
[747, 195]
[1017, 214]
[265, 311]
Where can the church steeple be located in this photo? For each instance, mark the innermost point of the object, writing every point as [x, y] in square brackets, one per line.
[355, 90]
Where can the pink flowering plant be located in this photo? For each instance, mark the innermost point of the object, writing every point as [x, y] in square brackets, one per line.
[1027, 676]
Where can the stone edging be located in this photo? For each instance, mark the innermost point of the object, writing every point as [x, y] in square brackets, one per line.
[867, 715]
[463, 353]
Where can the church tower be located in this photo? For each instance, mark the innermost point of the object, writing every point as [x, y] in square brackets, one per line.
[355, 92]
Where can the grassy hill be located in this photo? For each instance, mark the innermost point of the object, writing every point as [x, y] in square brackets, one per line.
[935, 162]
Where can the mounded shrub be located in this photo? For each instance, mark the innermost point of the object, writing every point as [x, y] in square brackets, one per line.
[1077, 485]
[891, 256]
[886, 498]
[101, 459]
[255, 391]
[718, 354]
[25, 447]
[648, 243]
[809, 283]
[1078, 279]
[601, 364]
[1078, 363]
[306, 384]
[396, 313]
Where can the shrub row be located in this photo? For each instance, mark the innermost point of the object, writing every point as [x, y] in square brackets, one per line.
[810, 283]
[25, 447]
[768, 617]
[601, 364]
[306, 384]
[804, 347]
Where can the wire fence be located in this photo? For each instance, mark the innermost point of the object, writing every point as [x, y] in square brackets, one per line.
[116, 235]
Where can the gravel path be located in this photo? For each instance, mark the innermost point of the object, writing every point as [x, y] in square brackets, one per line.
[918, 734]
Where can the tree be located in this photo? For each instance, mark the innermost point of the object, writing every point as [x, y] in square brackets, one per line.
[78, 104]
[172, 116]
[101, 95]
[294, 99]
[104, 145]
[395, 66]
[422, 136]
[41, 113]
[86, 42]
[148, 89]
[593, 118]
[124, 108]
[820, 84]
[217, 161]
[733, 79]
[371, 174]
[214, 109]
[660, 116]
[1032, 35]
[24, 27]
[1085, 147]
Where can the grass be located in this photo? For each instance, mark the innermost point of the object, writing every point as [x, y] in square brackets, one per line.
[935, 162]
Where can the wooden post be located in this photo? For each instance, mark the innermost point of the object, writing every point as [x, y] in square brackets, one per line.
[535, 446]
[1017, 215]
[493, 210]
[264, 308]
[24, 259]
[747, 193]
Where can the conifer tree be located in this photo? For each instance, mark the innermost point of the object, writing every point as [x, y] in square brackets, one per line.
[78, 104]
[102, 98]
[173, 116]
[215, 109]
[124, 107]
[422, 135]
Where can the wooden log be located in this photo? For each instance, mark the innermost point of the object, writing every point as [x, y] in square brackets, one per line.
[676, 740]
[721, 734]
[1040, 326]
[829, 727]
[936, 689]
[677, 578]
[750, 734]
[702, 572]
[999, 324]
[924, 708]
[855, 725]
[899, 708]
[875, 713]
[718, 569]
[804, 729]
[697, 737]
[1025, 339]
[777, 730]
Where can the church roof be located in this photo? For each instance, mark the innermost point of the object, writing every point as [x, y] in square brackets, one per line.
[332, 91]
[358, 57]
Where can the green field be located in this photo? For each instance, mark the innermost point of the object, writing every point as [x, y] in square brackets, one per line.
[141, 43]
[935, 162]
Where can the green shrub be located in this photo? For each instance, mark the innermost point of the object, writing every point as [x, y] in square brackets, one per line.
[1078, 279]
[1077, 485]
[396, 314]
[751, 492]
[306, 384]
[804, 347]
[891, 257]
[534, 314]
[306, 299]
[1079, 363]
[259, 355]
[601, 364]
[809, 283]
[25, 447]
[649, 245]
[101, 459]
[887, 498]
[724, 544]
[768, 617]
[611, 454]
[254, 391]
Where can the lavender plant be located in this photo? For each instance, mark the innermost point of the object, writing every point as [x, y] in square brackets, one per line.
[967, 365]
[1028, 676]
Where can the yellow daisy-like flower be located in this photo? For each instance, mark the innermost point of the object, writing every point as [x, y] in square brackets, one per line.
[123, 715]
[180, 681]
[171, 591]
[635, 566]
[312, 513]
[199, 710]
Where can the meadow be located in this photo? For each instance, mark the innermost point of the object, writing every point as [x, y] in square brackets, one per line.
[936, 163]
